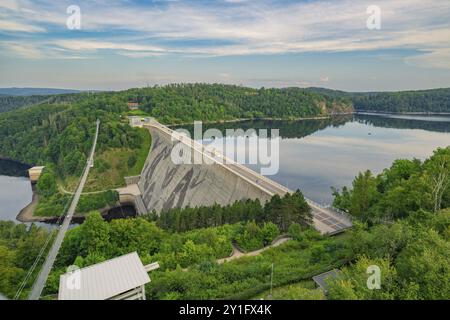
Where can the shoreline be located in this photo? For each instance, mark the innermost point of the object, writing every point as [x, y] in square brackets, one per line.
[403, 113]
[26, 214]
[264, 119]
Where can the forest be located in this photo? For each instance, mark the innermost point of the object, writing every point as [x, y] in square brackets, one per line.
[423, 101]
[59, 136]
[420, 101]
[181, 103]
[97, 240]
[8, 103]
[401, 216]
[401, 224]
[58, 132]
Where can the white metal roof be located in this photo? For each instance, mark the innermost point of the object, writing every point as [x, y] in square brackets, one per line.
[38, 168]
[321, 279]
[104, 280]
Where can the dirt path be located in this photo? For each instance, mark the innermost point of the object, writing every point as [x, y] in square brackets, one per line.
[62, 190]
[239, 254]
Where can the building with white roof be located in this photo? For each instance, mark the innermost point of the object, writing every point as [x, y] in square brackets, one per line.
[121, 278]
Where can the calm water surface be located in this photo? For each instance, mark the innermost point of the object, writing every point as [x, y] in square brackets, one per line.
[314, 154]
[15, 189]
[318, 154]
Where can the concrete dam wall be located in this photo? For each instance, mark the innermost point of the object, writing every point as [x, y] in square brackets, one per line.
[164, 184]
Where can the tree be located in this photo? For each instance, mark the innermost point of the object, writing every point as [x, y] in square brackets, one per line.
[192, 253]
[425, 263]
[342, 200]
[364, 194]
[250, 237]
[438, 172]
[94, 234]
[46, 185]
[352, 282]
[289, 209]
[269, 231]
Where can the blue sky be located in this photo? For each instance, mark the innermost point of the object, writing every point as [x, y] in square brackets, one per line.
[134, 43]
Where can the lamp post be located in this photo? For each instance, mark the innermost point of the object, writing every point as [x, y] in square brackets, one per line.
[271, 282]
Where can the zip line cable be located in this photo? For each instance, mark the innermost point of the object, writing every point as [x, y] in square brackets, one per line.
[39, 256]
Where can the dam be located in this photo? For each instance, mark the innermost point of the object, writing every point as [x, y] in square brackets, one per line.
[164, 184]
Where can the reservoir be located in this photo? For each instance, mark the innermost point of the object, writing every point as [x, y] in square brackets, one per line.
[15, 189]
[314, 155]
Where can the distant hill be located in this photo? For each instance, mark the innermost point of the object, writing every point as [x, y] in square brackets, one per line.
[15, 98]
[34, 91]
[8, 102]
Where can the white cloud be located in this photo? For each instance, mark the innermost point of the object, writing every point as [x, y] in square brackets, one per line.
[15, 26]
[82, 45]
[239, 27]
[439, 58]
[24, 50]
[9, 4]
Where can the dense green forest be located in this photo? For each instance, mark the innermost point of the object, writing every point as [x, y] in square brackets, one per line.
[401, 225]
[405, 229]
[402, 229]
[437, 100]
[211, 102]
[422, 101]
[97, 240]
[19, 246]
[16, 91]
[281, 211]
[11, 102]
[8, 103]
[405, 188]
[177, 103]
[59, 136]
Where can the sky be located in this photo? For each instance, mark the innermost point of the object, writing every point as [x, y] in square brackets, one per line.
[271, 43]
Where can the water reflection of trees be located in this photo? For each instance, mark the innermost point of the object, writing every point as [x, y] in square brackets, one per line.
[13, 168]
[386, 122]
[288, 129]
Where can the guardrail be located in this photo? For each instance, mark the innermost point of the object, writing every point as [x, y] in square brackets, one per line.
[335, 210]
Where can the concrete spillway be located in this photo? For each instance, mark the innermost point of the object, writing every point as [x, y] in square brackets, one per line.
[164, 184]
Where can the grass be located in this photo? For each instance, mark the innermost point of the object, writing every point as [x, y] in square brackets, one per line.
[137, 113]
[89, 202]
[112, 165]
[142, 153]
[295, 263]
[303, 290]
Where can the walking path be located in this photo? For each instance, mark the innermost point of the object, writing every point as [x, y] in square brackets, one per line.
[239, 254]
